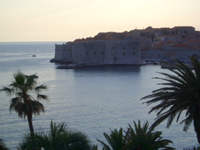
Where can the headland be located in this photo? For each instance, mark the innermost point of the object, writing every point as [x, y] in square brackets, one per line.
[136, 47]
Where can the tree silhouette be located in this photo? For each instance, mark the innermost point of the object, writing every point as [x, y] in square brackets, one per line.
[24, 104]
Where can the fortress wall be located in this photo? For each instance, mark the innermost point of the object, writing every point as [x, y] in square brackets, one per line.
[152, 55]
[78, 52]
[109, 53]
[100, 52]
[58, 52]
[136, 51]
[67, 53]
[122, 52]
[95, 52]
[89, 52]
[114, 52]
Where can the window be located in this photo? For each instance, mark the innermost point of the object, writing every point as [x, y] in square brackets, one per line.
[124, 53]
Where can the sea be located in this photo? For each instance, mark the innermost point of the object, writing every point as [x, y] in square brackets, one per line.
[92, 100]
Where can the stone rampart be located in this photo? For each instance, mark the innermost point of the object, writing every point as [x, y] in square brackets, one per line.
[123, 52]
[104, 52]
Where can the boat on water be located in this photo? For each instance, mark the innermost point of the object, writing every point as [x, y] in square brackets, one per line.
[151, 62]
[34, 54]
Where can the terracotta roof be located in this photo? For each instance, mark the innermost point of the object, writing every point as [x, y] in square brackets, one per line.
[180, 45]
[170, 42]
[194, 40]
[169, 35]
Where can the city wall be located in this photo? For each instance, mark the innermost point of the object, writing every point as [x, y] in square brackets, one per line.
[105, 52]
[111, 52]
[169, 55]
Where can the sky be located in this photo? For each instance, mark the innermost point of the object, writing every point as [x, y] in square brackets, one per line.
[67, 20]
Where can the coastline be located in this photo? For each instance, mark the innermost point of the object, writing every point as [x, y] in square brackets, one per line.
[75, 66]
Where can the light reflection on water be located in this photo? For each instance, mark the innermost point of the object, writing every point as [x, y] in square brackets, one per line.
[91, 100]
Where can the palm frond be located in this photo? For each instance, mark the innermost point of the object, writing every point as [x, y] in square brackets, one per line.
[41, 87]
[115, 139]
[37, 107]
[14, 102]
[7, 90]
[180, 92]
[21, 109]
[105, 146]
[142, 137]
[31, 80]
[187, 121]
[58, 138]
[136, 137]
[42, 97]
[19, 79]
[2, 145]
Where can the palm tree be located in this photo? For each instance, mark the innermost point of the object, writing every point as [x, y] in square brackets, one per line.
[143, 138]
[180, 94]
[59, 138]
[137, 138]
[2, 145]
[115, 140]
[24, 104]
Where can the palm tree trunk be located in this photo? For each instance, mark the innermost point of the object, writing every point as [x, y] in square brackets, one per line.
[197, 130]
[30, 123]
[197, 124]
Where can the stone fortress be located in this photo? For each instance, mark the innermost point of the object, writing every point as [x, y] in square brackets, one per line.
[100, 52]
[131, 48]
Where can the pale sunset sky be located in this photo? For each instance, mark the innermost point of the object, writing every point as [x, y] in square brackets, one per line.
[67, 20]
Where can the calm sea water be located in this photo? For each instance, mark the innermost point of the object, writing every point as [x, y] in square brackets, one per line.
[91, 100]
